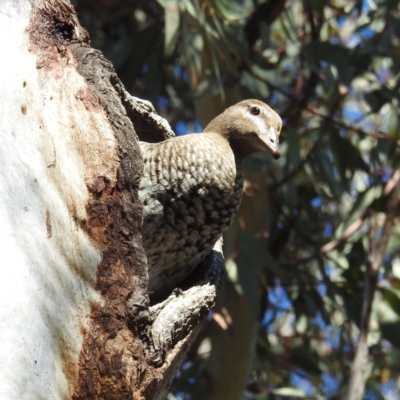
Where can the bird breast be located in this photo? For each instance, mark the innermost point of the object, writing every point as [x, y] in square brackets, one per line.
[190, 191]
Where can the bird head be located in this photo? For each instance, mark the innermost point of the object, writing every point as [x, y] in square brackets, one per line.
[250, 126]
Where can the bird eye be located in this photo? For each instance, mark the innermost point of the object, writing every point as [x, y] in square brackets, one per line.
[255, 110]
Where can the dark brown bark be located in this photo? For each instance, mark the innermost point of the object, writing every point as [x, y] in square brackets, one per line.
[116, 212]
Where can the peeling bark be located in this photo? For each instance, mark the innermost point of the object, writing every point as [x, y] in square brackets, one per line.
[75, 153]
[176, 316]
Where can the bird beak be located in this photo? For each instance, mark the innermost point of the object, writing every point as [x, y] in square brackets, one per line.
[270, 141]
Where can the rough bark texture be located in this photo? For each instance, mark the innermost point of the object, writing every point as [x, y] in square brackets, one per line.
[114, 210]
[118, 359]
[176, 316]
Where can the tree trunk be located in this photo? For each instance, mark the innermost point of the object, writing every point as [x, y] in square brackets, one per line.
[74, 309]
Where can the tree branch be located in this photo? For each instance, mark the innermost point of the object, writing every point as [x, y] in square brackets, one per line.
[375, 258]
[173, 318]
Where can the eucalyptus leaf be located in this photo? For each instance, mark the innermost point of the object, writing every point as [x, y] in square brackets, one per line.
[362, 203]
[376, 99]
[393, 125]
[390, 331]
[290, 391]
[329, 174]
[172, 24]
[332, 54]
[346, 153]
[392, 298]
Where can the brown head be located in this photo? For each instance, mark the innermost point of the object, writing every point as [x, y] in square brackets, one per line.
[250, 127]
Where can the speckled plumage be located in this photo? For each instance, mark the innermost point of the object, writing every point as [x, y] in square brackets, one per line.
[192, 188]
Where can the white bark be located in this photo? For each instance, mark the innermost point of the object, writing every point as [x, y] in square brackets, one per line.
[48, 156]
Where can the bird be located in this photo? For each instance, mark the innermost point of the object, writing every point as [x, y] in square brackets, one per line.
[192, 186]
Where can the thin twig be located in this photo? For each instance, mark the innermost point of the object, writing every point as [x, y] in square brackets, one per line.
[346, 234]
[329, 118]
[377, 134]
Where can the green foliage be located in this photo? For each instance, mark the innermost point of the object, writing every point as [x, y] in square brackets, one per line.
[331, 71]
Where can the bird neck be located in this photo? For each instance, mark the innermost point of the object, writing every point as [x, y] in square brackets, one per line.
[231, 130]
[226, 140]
[240, 146]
